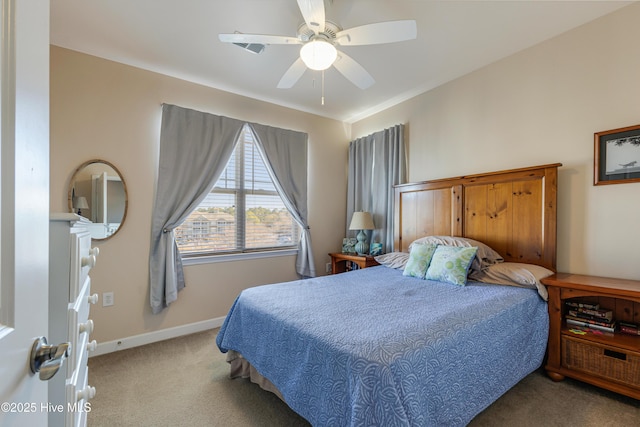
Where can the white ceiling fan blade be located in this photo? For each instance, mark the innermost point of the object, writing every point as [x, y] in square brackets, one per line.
[292, 75]
[353, 71]
[313, 14]
[257, 38]
[381, 32]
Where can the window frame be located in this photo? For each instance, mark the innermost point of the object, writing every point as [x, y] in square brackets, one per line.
[237, 256]
[241, 192]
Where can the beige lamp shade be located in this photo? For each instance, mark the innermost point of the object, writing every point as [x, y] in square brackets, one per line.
[361, 221]
[81, 203]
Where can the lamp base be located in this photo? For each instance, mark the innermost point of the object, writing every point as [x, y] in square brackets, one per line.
[362, 247]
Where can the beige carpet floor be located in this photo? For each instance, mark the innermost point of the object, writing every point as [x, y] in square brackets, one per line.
[185, 382]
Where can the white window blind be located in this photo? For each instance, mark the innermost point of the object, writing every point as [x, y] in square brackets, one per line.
[242, 213]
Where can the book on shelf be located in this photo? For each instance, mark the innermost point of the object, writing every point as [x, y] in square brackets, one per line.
[584, 324]
[606, 315]
[350, 266]
[600, 322]
[592, 312]
[578, 304]
[629, 328]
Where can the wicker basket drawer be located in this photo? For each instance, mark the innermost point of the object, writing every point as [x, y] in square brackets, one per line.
[612, 363]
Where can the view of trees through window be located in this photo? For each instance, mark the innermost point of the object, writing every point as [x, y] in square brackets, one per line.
[242, 213]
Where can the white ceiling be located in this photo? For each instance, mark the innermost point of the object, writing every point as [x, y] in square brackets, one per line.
[179, 38]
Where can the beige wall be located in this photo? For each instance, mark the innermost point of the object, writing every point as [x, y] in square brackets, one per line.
[540, 106]
[102, 109]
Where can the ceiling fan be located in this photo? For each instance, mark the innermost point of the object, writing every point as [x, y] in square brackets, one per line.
[319, 39]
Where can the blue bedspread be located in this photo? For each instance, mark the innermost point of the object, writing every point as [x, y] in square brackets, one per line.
[375, 348]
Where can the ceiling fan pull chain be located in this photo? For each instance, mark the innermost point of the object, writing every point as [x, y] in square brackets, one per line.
[322, 100]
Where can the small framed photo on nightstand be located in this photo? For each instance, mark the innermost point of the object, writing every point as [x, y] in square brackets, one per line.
[375, 249]
[349, 245]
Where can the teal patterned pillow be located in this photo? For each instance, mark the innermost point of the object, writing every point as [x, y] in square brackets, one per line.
[451, 264]
[419, 259]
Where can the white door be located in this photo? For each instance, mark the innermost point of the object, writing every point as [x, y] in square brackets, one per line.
[100, 198]
[24, 212]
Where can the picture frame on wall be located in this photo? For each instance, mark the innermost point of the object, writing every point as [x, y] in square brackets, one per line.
[617, 156]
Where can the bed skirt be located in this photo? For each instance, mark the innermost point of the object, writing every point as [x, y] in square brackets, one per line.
[241, 368]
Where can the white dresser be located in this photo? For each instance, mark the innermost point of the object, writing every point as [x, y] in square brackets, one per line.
[70, 259]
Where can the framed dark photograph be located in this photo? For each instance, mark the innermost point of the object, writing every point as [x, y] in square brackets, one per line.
[617, 156]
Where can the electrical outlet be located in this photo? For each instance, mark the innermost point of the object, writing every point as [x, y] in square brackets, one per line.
[107, 299]
[327, 268]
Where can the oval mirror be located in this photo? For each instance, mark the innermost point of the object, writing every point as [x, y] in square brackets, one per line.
[97, 191]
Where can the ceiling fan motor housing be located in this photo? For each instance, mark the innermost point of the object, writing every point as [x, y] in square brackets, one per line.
[330, 30]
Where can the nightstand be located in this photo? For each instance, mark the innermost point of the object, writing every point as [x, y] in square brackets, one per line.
[607, 360]
[342, 262]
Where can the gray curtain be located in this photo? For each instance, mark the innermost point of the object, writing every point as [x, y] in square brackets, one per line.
[285, 155]
[194, 150]
[377, 162]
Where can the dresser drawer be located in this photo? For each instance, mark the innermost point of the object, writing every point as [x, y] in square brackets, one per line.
[83, 258]
[79, 392]
[611, 363]
[80, 327]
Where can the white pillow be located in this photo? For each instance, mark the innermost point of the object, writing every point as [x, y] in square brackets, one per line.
[515, 274]
[393, 260]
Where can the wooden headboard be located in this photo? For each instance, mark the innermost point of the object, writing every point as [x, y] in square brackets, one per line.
[513, 211]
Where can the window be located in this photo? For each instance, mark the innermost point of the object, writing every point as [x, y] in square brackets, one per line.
[243, 212]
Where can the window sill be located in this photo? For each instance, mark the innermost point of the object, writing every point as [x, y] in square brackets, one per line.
[211, 259]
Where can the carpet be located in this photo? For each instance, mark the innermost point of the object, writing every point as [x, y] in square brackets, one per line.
[185, 382]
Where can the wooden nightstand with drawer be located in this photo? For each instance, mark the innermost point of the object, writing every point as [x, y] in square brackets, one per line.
[343, 262]
[610, 360]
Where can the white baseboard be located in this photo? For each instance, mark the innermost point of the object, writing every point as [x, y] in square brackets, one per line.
[155, 336]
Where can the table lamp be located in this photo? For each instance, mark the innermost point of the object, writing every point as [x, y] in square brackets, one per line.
[361, 221]
[81, 203]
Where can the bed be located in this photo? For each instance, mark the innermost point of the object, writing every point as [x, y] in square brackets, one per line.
[378, 347]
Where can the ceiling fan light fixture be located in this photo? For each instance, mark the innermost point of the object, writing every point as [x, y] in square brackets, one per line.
[318, 54]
